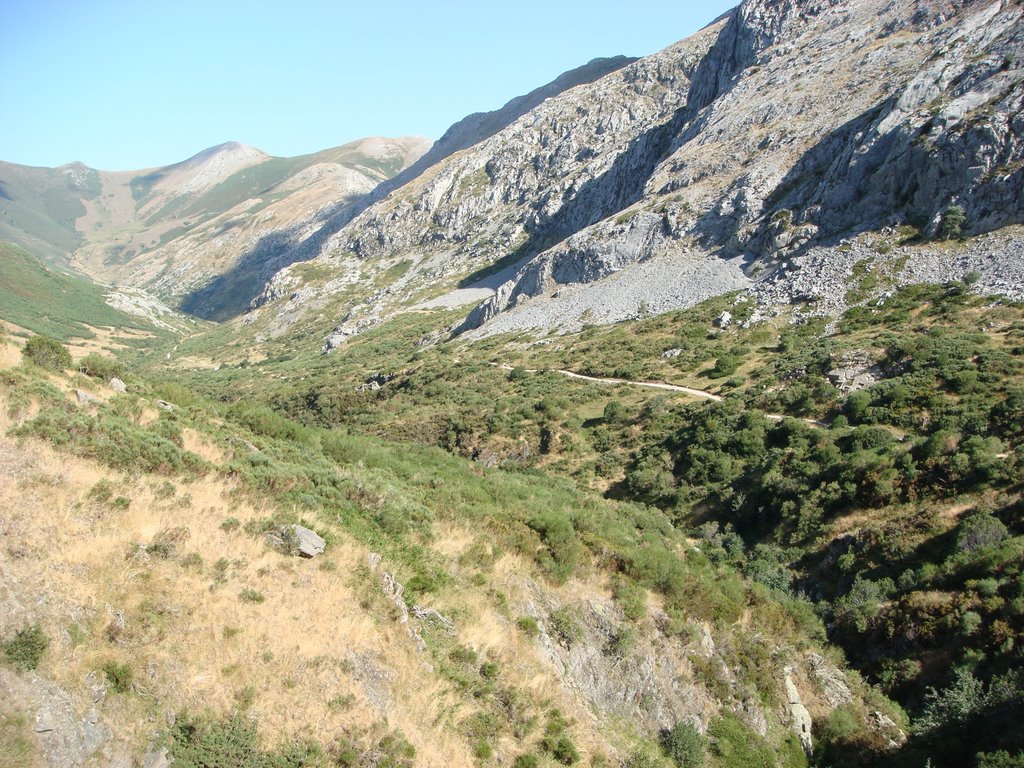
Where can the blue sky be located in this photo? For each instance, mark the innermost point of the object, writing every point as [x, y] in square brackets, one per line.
[127, 85]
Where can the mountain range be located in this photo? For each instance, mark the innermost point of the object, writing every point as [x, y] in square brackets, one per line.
[669, 415]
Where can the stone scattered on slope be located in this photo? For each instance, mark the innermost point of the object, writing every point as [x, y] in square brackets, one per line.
[85, 398]
[854, 370]
[157, 758]
[308, 543]
[117, 385]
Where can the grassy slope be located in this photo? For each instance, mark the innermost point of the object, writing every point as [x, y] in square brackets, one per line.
[868, 517]
[54, 303]
[39, 206]
[481, 546]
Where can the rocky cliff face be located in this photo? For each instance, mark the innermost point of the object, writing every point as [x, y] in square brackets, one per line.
[783, 127]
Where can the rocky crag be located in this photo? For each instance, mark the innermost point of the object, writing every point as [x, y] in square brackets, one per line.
[783, 129]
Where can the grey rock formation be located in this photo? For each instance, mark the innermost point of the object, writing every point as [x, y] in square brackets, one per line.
[307, 543]
[117, 385]
[800, 717]
[729, 148]
[85, 398]
[643, 683]
[69, 738]
[831, 681]
[854, 370]
[157, 757]
[394, 592]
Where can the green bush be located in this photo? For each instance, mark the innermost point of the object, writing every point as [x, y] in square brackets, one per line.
[119, 676]
[565, 626]
[684, 745]
[248, 595]
[206, 742]
[113, 440]
[47, 353]
[557, 742]
[528, 625]
[101, 366]
[18, 744]
[980, 530]
[25, 649]
[559, 537]
[630, 597]
[737, 746]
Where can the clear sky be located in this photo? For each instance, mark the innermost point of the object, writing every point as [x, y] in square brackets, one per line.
[141, 83]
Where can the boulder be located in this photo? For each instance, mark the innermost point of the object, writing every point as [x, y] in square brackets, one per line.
[117, 385]
[854, 370]
[156, 757]
[85, 398]
[307, 542]
[799, 716]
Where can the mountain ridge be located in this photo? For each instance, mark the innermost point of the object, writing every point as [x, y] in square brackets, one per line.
[687, 182]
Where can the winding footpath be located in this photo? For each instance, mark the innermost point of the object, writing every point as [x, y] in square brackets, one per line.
[702, 394]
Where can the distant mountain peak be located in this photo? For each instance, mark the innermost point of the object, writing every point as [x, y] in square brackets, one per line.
[227, 149]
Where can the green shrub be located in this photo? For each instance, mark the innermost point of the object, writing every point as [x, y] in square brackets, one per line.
[25, 649]
[526, 761]
[528, 625]
[482, 750]
[557, 742]
[113, 440]
[559, 537]
[233, 742]
[119, 676]
[102, 491]
[980, 530]
[460, 654]
[684, 745]
[644, 758]
[737, 746]
[630, 597]
[101, 366]
[565, 626]
[18, 745]
[248, 595]
[1000, 759]
[47, 353]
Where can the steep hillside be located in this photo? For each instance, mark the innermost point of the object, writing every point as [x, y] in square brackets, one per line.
[458, 616]
[46, 300]
[39, 207]
[751, 151]
[219, 217]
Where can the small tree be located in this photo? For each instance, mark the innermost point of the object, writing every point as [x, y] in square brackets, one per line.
[979, 530]
[47, 353]
[953, 221]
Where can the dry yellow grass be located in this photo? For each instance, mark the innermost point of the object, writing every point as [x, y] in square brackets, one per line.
[188, 637]
[308, 661]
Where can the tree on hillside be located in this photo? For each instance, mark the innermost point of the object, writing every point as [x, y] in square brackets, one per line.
[47, 353]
